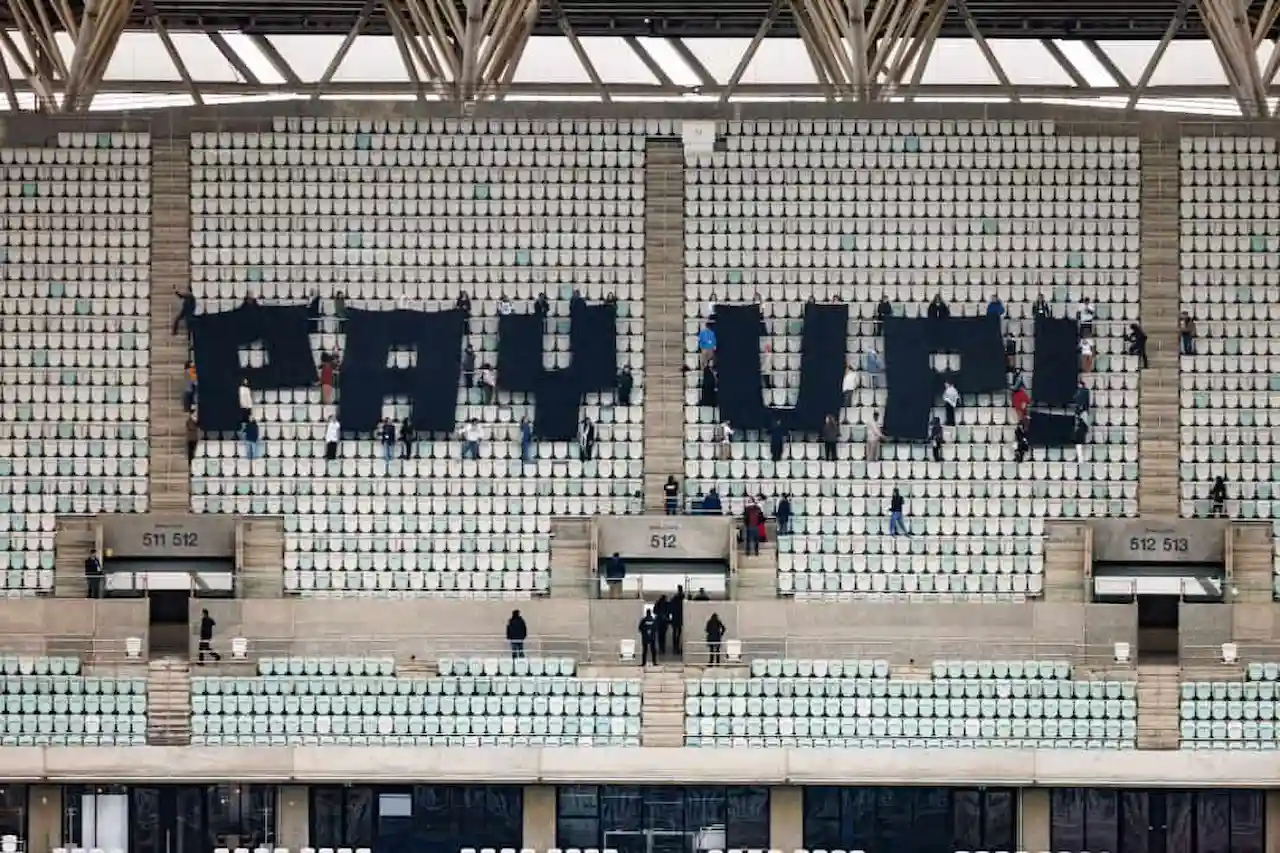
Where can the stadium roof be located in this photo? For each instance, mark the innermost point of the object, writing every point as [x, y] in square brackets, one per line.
[1186, 55]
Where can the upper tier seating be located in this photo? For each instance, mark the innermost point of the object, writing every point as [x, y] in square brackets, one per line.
[1233, 714]
[74, 383]
[1008, 704]
[411, 214]
[480, 702]
[48, 702]
[845, 211]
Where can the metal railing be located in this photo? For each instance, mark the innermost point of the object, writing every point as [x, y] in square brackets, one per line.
[1248, 651]
[90, 651]
[408, 649]
[919, 652]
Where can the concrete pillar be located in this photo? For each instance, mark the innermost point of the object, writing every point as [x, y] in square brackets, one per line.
[1271, 821]
[44, 818]
[786, 818]
[1033, 826]
[293, 817]
[540, 817]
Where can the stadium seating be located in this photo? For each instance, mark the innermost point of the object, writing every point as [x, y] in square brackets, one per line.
[1230, 387]
[411, 214]
[74, 382]
[1233, 714]
[476, 702]
[850, 210]
[1013, 704]
[47, 701]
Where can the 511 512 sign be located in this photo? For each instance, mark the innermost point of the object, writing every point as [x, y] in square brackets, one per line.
[169, 537]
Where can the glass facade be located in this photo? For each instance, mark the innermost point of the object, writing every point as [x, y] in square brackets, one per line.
[168, 818]
[417, 818]
[911, 820]
[662, 819]
[13, 810]
[1159, 821]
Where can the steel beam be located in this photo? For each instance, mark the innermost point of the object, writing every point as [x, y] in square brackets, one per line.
[1051, 47]
[472, 36]
[1108, 64]
[234, 59]
[658, 72]
[1179, 20]
[100, 28]
[576, 46]
[695, 65]
[1232, 38]
[149, 8]
[269, 53]
[345, 47]
[749, 54]
[985, 49]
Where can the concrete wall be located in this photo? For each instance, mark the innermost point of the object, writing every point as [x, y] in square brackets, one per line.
[79, 627]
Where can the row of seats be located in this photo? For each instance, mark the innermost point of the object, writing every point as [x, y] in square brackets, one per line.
[47, 701]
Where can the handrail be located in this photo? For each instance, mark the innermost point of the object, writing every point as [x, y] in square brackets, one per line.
[412, 648]
[90, 651]
[901, 653]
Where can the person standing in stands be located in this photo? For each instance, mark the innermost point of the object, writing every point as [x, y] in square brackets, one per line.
[671, 495]
[386, 434]
[1186, 334]
[314, 311]
[1218, 494]
[576, 301]
[542, 308]
[874, 365]
[751, 529]
[897, 524]
[517, 633]
[1086, 355]
[709, 394]
[1085, 315]
[1010, 355]
[488, 384]
[777, 438]
[206, 638]
[938, 309]
[463, 302]
[409, 438]
[471, 434]
[1021, 400]
[661, 623]
[1138, 344]
[884, 310]
[526, 440]
[648, 628]
[623, 385]
[339, 309]
[468, 366]
[186, 310]
[1040, 308]
[995, 308]
[675, 610]
[783, 515]
[715, 636]
[251, 434]
[504, 306]
[615, 572]
[1021, 443]
[706, 346]
[193, 436]
[848, 384]
[711, 503]
[1083, 400]
[936, 439]
[191, 392]
[93, 575]
[875, 435]
[1081, 436]
[246, 401]
[586, 439]
[712, 303]
[950, 399]
[326, 379]
[722, 435]
[332, 435]
[830, 437]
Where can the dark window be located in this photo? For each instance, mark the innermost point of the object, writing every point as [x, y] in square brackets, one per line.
[417, 818]
[13, 810]
[1129, 821]
[635, 819]
[910, 820]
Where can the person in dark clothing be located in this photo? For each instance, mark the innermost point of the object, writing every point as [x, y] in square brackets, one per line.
[576, 301]
[468, 366]
[93, 575]
[206, 638]
[830, 437]
[1081, 435]
[709, 394]
[625, 383]
[1082, 398]
[897, 523]
[408, 437]
[252, 434]
[671, 495]
[517, 633]
[615, 572]
[387, 435]
[1021, 442]
[1040, 308]
[1010, 355]
[751, 518]
[715, 636]
[702, 595]
[938, 309]
[314, 312]
[186, 309]
[675, 614]
[340, 308]
[711, 504]
[884, 310]
[648, 628]
[783, 515]
[662, 623]
[463, 302]
[1138, 344]
[542, 306]
[193, 436]
[1218, 494]
[777, 439]
[1186, 334]
[586, 438]
[936, 439]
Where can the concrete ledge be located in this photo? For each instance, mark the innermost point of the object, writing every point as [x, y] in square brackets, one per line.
[641, 765]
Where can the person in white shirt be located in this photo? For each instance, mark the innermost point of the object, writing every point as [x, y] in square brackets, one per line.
[849, 384]
[332, 435]
[246, 401]
[724, 440]
[471, 434]
[1085, 315]
[951, 398]
[1086, 355]
[487, 381]
[504, 306]
[875, 435]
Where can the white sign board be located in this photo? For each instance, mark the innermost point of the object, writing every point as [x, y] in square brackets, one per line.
[665, 537]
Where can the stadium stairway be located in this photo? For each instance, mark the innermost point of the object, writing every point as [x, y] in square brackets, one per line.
[571, 569]
[1158, 392]
[170, 486]
[757, 576]
[1252, 563]
[663, 317]
[1158, 698]
[261, 558]
[662, 714]
[73, 540]
[169, 702]
[1066, 550]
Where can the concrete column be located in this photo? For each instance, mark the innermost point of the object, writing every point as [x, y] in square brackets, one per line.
[1271, 821]
[539, 817]
[1033, 826]
[44, 818]
[293, 817]
[786, 818]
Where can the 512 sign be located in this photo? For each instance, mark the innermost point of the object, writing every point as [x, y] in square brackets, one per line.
[179, 539]
[1159, 544]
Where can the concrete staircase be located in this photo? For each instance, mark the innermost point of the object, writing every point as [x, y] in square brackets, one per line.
[169, 702]
[571, 569]
[1158, 395]
[73, 540]
[664, 336]
[662, 715]
[1158, 697]
[170, 270]
[1065, 554]
[262, 558]
[757, 577]
[1251, 563]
